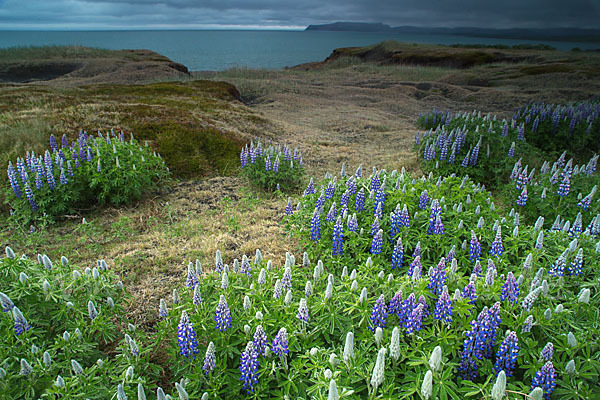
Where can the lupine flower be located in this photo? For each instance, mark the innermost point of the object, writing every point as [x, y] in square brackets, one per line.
[92, 313]
[405, 217]
[527, 324]
[545, 379]
[497, 247]
[5, 302]
[379, 314]
[575, 268]
[359, 203]
[246, 268]
[427, 385]
[286, 280]
[352, 223]
[423, 200]
[415, 265]
[332, 214]
[571, 341]
[470, 293]
[338, 238]
[398, 254]
[564, 187]
[510, 289]
[584, 296]
[377, 243]
[315, 226]
[490, 273]
[310, 188]
[191, 280]
[21, 324]
[209, 359]
[437, 280]
[548, 351]
[30, 196]
[163, 312]
[260, 340]
[506, 357]
[558, 268]
[395, 304]
[474, 248]
[379, 202]
[443, 307]
[436, 210]
[223, 315]
[14, 183]
[375, 226]
[308, 289]
[302, 311]
[379, 371]
[405, 310]
[415, 320]
[26, 368]
[249, 367]
[280, 343]
[218, 262]
[186, 337]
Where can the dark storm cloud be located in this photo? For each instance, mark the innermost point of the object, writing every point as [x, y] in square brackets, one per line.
[294, 13]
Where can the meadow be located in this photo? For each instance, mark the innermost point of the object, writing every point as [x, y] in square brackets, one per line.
[421, 278]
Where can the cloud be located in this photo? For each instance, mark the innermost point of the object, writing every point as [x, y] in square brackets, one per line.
[140, 14]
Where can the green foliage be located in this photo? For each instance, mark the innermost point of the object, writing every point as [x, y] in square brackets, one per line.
[95, 171]
[273, 168]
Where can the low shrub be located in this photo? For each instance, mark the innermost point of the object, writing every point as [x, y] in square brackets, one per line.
[273, 168]
[88, 172]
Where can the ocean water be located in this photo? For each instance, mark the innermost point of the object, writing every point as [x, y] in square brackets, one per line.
[219, 49]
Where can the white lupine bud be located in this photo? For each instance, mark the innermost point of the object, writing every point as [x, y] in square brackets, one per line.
[329, 290]
[316, 273]
[247, 329]
[224, 281]
[288, 297]
[354, 286]
[181, 392]
[435, 360]
[47, 359]
[333, 392]
[262, 276]
[570, 368]
[258, 315]
[176, 298]
[95, 273]
[110, 302]
[363, 295]
[66, 336]
[344, 272]
[60, 382]
[328, 373]
[427, 386]
[76, 274]
[584, 296]
[378, 335]
[559, 308]
[390, 278]
[313, 351]
[269, 265]
[353, 274]
[100, 362]
[247, 303]
[548, 314]
[308, 289]
[46, 286]
[10, 253]
[141, 393]
[395, 344]
[571, 341]
[379, 370]
[515, 231]
[129, 373]
[204, 396]
[330, 278]
[537, 394]
[460, 225]
[92, 312]
[77, 369]
[369, 262]
[47, 262]
[23, 278]
[499, 389]
[349, 348]
[381, 275]
[545, 287]
[160, 394]
[333, 360]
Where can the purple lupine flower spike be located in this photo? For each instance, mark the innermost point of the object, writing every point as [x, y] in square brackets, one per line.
[223, 315]
[506, 357]
[379, 314]
[186, 337]
[249, 367]
[209, 358]
[443, 307]
[545, 379]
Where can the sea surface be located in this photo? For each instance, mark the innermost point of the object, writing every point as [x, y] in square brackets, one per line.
[205, 50]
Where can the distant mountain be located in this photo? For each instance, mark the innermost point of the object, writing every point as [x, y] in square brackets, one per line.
[560, 34]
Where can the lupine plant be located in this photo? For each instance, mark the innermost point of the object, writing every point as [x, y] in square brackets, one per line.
[273, 167]
[92, 170]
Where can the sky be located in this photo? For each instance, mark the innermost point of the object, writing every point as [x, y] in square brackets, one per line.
[294, 14]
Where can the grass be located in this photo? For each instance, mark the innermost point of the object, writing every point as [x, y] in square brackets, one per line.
[36, 53]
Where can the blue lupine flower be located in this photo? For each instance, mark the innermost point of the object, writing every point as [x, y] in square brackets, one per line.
[30, 196]
[379, 201]
[415, 265]
[92, 312]
[438, 227]
[506, 357]
[223, 315]
[338, 238]
[268, 162]
[65, 142]
[564, 187]
[186, 337]
[522, 179]
[14, 183]
[315, 226]
[310, 188]
[244, 156]
[375, 226]
[289, 210]
[437, 280]
[375, 182]
[465, 161]
[405, 310]
[286, 279]
[197, 298]
[302, 311]
[531, 298]
[405, 217]
[443, 307]
[470, 293]
[575, 268]
[352, 223]
[379, 314]
[497, 247]
[511, 151]
[522, 199]
[345, 198]
[475, 153]
[396, 303]
[545, 379]
[415, 320]
[395, 222]
[21, 324]
[398, 254]
[417, 250]
[330, 191]
[6, 303]
[218, 262]
[280, 343]
[209, 359]
[249, 368]
[467, 368]
[436, 210]
[359, 203]
[276, 167]
[577, 226]
[490, 274]
[474, 248]
[510, 289]
[48, 170]
[377, 243]
[260, 341]
[332, 214]
[53, 144]
[558, 268]
[548, 351]
[246, 268]
[423, 200]
[192, 279]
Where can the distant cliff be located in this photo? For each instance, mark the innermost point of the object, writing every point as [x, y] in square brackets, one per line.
[558, 34]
